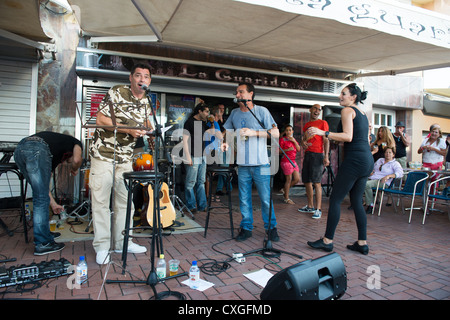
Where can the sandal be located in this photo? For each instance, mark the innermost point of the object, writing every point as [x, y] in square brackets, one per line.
[289, 201]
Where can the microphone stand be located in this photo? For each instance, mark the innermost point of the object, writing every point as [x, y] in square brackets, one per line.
[152, 279]
[268, 250]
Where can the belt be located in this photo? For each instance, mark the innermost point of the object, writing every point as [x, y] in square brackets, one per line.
[35, 138]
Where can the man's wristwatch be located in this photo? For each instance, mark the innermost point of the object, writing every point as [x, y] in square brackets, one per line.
[327, 133]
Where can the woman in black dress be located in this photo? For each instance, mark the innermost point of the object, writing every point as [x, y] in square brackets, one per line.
[354, 170]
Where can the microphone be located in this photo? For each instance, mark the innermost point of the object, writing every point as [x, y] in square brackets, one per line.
[145, 87]
[235, 100]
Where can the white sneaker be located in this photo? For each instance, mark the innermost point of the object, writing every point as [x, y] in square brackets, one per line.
[102, 257]
[134, 248]
[317, 214]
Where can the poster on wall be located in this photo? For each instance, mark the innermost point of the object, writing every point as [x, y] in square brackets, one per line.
[179, 108]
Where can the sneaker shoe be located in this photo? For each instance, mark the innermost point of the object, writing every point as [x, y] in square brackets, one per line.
[133, 248]
[51, 247]
[369, 209]
[306, 209]
[273, 235]
[243, 235]
[102, 257]
[317, 214]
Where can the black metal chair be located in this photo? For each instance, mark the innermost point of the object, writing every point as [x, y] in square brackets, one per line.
[131, 180]
[12, 167]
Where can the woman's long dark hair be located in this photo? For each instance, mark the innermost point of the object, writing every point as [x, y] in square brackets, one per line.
[355, 90]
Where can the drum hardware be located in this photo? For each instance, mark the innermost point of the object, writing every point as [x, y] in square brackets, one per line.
[83, 211]
[176, 200]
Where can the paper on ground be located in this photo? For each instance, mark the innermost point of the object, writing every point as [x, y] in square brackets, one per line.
[202, 284]
[259, 277]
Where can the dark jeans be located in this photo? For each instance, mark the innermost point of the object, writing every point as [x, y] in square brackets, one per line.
[34, 160]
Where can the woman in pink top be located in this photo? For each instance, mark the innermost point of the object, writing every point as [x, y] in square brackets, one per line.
[290, 146]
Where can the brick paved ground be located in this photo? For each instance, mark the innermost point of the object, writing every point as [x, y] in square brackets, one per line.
[413, 258]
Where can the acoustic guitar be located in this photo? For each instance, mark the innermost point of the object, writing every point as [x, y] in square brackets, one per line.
[167, 214]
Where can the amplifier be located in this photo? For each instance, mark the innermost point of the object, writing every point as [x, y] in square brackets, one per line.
[34, 272]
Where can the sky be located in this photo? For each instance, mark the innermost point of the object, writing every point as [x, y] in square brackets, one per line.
[437, 78]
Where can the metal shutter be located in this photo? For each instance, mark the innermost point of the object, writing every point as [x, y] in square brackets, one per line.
[18, 92]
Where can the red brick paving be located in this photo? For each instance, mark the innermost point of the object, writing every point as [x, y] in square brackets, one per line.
[414, 259]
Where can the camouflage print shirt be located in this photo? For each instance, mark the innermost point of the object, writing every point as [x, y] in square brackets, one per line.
[129, 111]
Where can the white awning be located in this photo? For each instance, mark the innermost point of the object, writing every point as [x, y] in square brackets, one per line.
[349, 35]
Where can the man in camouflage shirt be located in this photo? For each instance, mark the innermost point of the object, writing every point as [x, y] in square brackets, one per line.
[131, 110]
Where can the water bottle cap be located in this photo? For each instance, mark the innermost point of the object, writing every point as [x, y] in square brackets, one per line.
[161, 256]
[81, 257]
[194, 263]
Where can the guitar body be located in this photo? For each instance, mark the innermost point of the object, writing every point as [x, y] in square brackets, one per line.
[167, 211]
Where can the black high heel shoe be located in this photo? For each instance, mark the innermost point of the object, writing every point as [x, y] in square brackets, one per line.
[364, 249]
[319, 244]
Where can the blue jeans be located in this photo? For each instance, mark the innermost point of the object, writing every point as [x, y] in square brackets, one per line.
[260, 175]
[221, 180]
[34, 160]
[195, 194]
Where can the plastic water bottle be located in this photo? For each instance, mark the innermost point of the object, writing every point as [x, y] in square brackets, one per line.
[161, 267]
[82, 271]
[194, 275]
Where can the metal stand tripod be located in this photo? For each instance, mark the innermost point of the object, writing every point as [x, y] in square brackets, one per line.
[152, 279]
[77, 213]
[113, 128]
[176, 200]
[330, 179]
[268, 250]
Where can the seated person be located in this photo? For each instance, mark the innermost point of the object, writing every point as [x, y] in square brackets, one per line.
[384, 169]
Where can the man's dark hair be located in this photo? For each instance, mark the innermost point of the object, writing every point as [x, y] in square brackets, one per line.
[141, 66]
[199, 108]
[250, 88]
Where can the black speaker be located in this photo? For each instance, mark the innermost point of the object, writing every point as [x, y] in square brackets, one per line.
[323, 278]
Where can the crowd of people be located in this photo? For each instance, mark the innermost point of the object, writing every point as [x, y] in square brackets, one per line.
[243, 136]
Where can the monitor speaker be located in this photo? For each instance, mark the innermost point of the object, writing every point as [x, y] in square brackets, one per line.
[323, 278]
[332, 115]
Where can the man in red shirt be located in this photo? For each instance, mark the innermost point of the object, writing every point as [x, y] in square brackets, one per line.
[316, 157]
